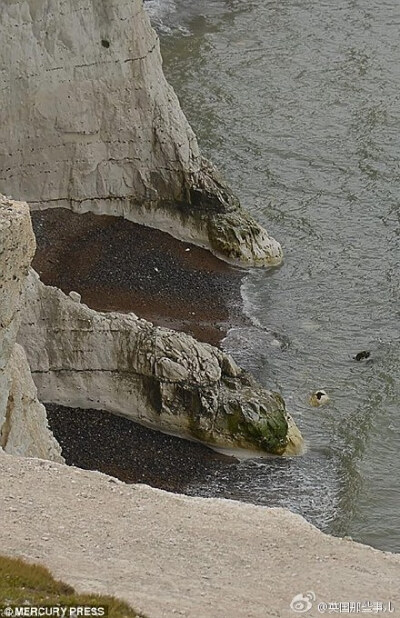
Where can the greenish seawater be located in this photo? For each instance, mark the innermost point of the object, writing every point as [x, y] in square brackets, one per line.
[298, 104]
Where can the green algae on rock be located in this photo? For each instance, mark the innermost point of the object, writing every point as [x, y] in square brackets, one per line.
[158, 377]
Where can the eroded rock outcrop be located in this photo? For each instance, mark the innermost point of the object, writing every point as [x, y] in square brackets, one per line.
[90, 123]
[23, 423]
[158, 377]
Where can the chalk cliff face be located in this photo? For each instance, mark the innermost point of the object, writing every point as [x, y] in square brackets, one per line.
[23, 423]
[117, 362]
[90, 123]
[158, 377]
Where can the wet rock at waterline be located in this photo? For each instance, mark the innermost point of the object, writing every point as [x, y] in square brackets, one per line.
[109, 134]
[158, 377]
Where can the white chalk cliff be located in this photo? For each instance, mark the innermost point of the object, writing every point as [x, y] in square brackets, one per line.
[115, 362]
[160, 378]
[88, 122]
[23, 422]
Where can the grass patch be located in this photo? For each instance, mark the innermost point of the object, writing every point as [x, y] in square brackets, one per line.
[22, 583]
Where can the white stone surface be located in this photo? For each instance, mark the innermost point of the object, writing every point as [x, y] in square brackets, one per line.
[75, 296]
[25, 430]
[172, 555]
[23, 422]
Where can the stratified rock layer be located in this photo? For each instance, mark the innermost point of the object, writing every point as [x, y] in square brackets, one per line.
[23, 422]
[161, 378]
[88, 122]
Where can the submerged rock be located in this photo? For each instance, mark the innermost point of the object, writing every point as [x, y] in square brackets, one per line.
[158, 377]
[91, 124]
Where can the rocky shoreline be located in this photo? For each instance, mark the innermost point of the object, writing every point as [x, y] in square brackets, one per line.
[130, 452]
[107, 140]
[117, 265]
[95, 128]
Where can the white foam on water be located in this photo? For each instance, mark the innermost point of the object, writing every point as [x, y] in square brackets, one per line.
[157, 9]
[164, 16]
[248, 306]
[247, 343]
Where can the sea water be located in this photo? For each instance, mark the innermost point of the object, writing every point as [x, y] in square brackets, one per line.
[298, 103]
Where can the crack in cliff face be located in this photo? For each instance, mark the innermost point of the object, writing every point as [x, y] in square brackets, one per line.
[101, 62]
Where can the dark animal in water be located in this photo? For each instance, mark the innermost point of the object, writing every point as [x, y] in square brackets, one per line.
[364, 355]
